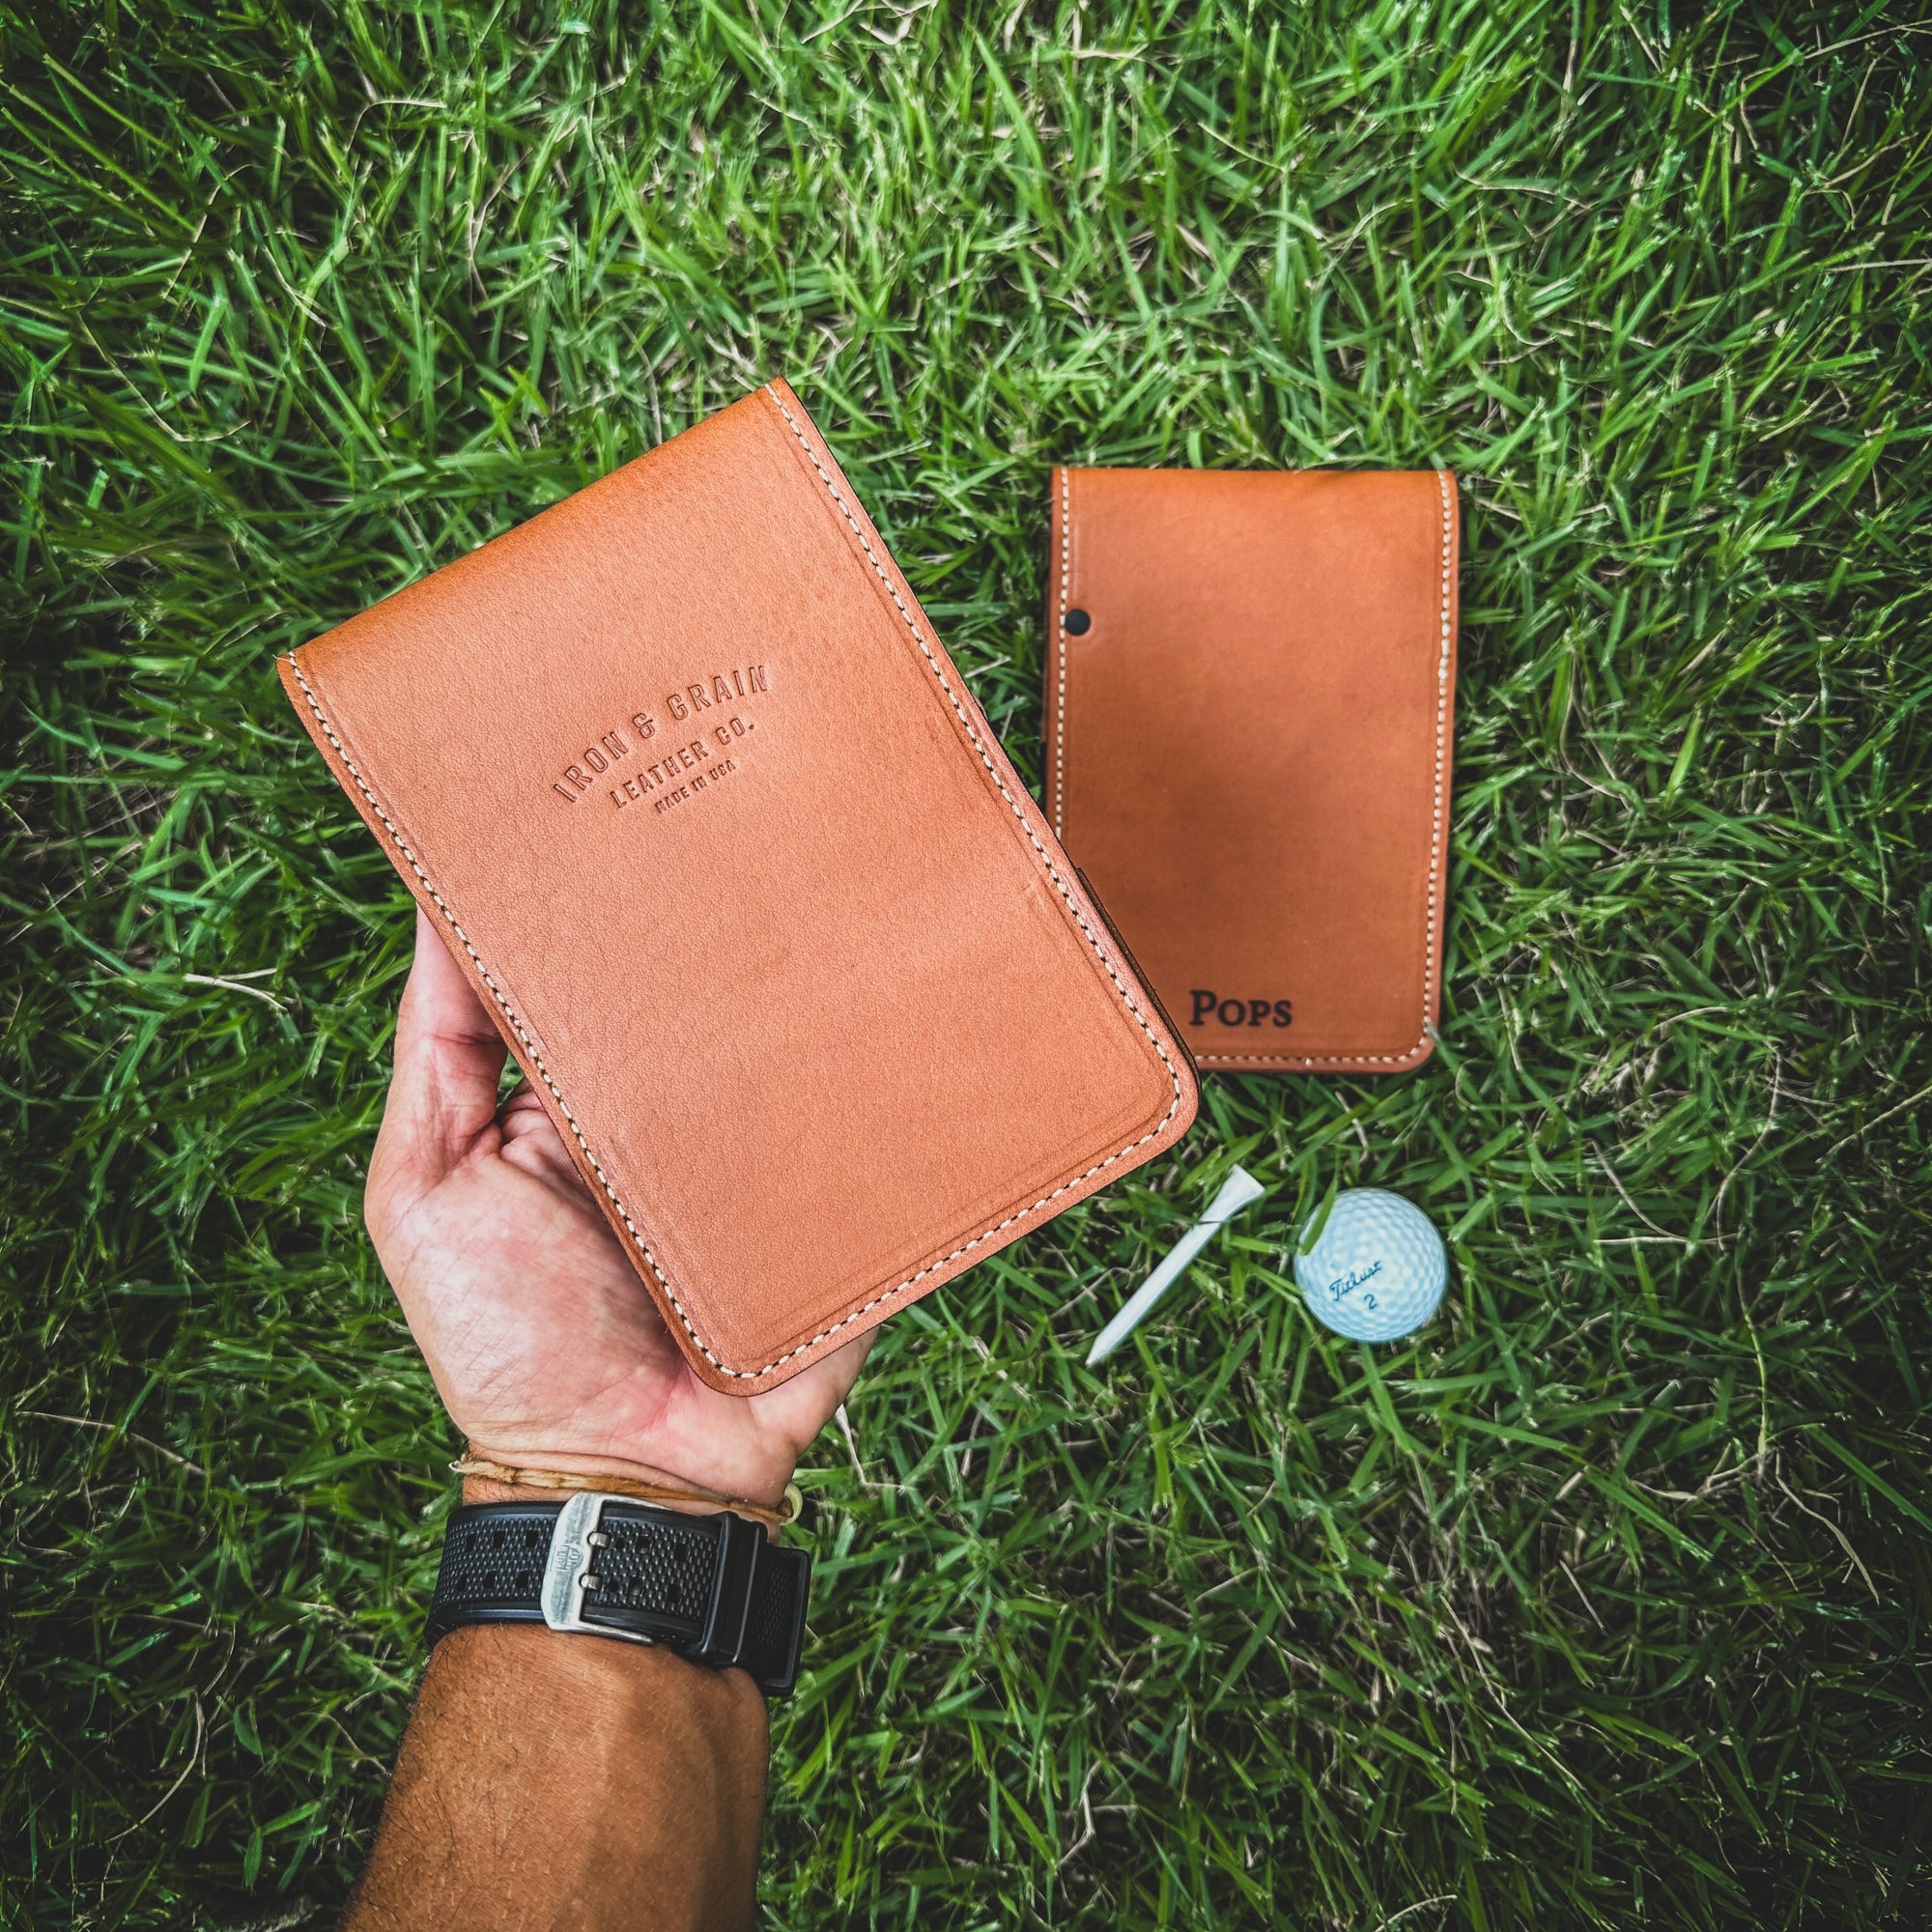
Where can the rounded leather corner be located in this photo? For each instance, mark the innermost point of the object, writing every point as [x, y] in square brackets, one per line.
[1416, 1055]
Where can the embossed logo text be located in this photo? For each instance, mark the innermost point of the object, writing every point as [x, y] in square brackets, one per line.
[715, 710]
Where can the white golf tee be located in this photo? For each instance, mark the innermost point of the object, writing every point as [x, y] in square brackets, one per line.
[1239, 1190]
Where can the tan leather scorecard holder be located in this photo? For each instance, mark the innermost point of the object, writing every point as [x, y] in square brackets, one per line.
[732, 858]
[1250, 691]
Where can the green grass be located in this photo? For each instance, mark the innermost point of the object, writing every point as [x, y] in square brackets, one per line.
[1605, 1604]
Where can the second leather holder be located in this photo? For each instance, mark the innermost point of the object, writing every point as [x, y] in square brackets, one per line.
[699, 804]
[1250, 694]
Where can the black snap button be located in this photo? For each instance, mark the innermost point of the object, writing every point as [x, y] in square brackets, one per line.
[1078, 623]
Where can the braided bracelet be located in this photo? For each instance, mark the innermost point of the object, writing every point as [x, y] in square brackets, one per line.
[624, 1485]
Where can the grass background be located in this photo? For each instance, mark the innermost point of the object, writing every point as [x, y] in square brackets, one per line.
[1604, 1603]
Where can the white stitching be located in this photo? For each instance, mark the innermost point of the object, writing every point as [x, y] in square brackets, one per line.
[1059, 653]
[563, 1106]
[1429, 963]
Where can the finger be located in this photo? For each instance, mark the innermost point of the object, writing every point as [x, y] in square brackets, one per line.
[531, 1142]
[449, 1059]
[522, 1115]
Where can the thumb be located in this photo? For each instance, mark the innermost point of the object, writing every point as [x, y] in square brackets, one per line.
[449, 1059]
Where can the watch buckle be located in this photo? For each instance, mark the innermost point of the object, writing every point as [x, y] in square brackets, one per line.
[567, 1573]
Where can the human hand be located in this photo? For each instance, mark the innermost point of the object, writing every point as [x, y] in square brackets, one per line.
[543, 1343]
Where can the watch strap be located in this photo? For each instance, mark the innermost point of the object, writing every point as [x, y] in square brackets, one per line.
[710, 1588]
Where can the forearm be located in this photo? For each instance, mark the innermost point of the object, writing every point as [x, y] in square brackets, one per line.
[549, 1778]
[559, 1780]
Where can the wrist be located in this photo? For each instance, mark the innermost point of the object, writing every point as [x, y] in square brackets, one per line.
[764, 1490]
[488, 1478]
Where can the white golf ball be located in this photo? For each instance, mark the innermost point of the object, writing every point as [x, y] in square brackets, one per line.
[1377, 1271]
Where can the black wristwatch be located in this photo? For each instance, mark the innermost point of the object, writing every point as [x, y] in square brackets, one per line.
[709, 1587]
